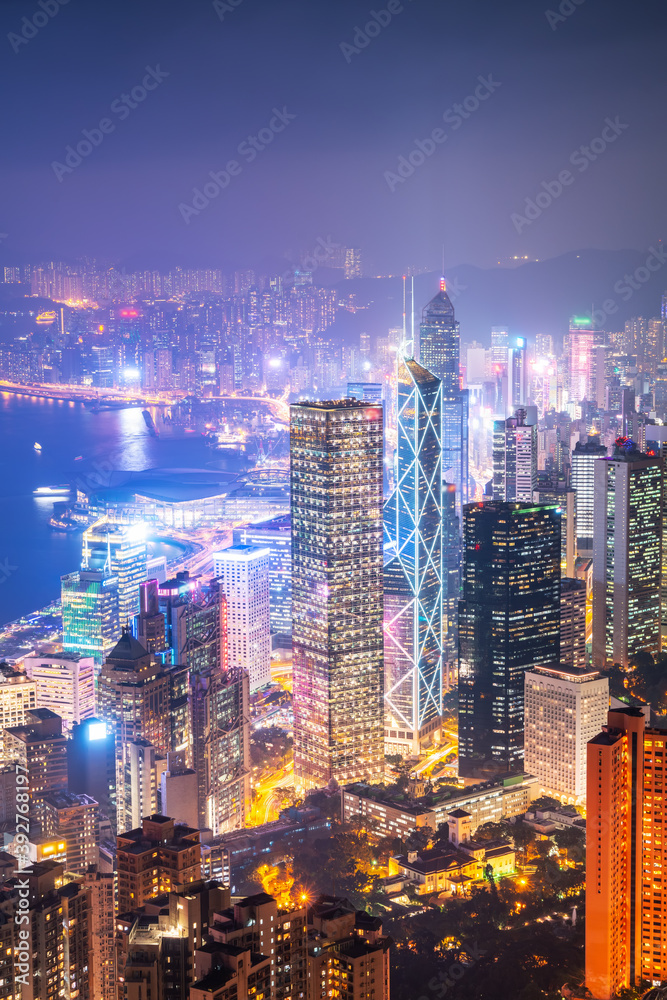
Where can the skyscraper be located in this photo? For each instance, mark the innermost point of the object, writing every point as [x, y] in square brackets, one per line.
[413, 618]
[243, 574]
[581, 341]
[276, 536]
[514, 458]
[565, 707]
[65, 683]
[121, 552]
[627, 555]
[584, 457]
[509, 621]
[626, 892]
[336, 472]
[573, 622]
[439, 353]
[90, 613]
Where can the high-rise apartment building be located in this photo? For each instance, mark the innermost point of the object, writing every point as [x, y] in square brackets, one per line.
[566, 499]
[64, 683]
[565, 707]
[514, 458]
[102, 928]
[90, 613]
[627, 555]
[150, 628]
[276, 536]
[142, 769]
[413, 626]
[74, 819]
[509, 621]
[39, 747]
[626, 892]
[584, 457]
[155, 858]
[17, 698]
[337, 580]
[227, 751]
[573, 622]
[243, 575]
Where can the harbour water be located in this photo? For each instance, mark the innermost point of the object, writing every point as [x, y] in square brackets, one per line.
[33, 556]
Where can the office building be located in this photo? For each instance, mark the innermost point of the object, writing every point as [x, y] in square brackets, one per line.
[276, 536]
[337, 587]
[516, 375]
[413, 626]
[100, 885]
[178, 788]
[627, 555]
[584, 457]
[91, 764]
[121, 552]
[64, 683]
[74, 819]
[581, 342]
[149, 624]
[566, 499]
[227, 752]
[155, 858]
[142, 766]
[90, 613]
[17, 698]
[439, 353]
[243, 575]
[573, 622]
[514, 458]
[565, 707]
[509, 621]
[39, 747]
[626, 893]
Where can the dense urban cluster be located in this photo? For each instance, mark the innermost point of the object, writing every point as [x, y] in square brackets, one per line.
[390, 722]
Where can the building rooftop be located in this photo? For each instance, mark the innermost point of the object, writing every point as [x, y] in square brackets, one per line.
[127, 648]
[335, 404]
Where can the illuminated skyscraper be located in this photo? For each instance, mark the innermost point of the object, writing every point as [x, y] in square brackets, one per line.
[514, 458]
[439, 353]
[584, 458]
[626, 890]
[337, 635]
[413, 618]
[582, 339]
[90, 613]
[243, 574]
[565, 707]
[118, 551]
[509, 621]
[627, 555]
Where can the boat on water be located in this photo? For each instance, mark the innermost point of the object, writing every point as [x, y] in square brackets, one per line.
[63, 524]
[37, 446]
[78, 458]
[225, 443]
[53, 491]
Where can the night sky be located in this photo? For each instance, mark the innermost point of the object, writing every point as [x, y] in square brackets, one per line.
[329, 171]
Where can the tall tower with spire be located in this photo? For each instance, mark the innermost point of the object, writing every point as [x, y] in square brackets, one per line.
[413, 582]
[440, 353]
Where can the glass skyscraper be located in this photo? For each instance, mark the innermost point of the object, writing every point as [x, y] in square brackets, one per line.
[627, 555]
[439, 353]
[90, 613]
[337, 595]
[119, 551]
[414, 578]
[509, 621]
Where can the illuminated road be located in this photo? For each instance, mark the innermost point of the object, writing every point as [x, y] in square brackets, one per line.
[266, 801]
[436, 755]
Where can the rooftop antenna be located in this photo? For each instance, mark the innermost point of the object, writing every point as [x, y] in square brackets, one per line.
[412, 305]
[404, 328]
